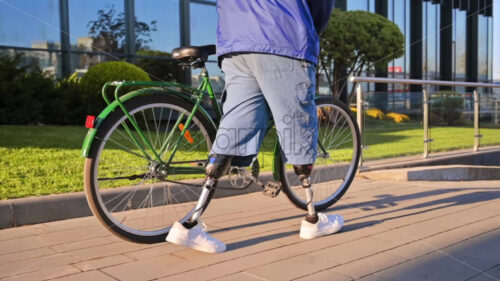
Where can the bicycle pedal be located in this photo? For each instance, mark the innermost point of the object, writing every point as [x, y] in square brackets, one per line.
[272, 189]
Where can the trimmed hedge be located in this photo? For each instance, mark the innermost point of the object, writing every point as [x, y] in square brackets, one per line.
[29, 96]
[98, 75]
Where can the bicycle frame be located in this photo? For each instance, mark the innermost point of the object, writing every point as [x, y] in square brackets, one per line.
[192, 95]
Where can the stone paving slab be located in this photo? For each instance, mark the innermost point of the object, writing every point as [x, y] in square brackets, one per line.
[393, 231]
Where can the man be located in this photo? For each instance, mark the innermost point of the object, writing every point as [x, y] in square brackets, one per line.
[268, 50]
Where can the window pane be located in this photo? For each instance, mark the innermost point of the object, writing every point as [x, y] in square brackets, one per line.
[30, 23]
[203, 32]
[162, 18]
[357, 5]
[203, 24]
[431, 41]
[482, 47]
[48, 61]
[80, 63]
[490, 49]
[97, 25]
[460, 30]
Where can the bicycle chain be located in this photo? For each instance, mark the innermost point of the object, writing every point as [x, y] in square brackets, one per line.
[198, 185]
[252, 178]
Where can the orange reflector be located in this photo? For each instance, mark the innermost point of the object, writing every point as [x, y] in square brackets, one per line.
[187, 135]
[89, 123]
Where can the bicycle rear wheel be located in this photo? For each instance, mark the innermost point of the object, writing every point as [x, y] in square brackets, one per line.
[137, 198]
[337, 160]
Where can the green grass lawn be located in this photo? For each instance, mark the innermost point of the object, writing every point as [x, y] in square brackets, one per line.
[38, 160]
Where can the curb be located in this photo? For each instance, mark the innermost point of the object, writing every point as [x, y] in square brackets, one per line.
[25, 211]
[17, 212]
[485, 157]
[437, 173]
[47, 208]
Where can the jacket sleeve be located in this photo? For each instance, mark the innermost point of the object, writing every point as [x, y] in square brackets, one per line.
[320, 12]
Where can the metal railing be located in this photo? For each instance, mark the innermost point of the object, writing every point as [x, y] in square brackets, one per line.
[426, 102]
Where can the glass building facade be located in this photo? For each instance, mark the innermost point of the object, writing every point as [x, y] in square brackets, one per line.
[445, 39]
[62, 36]
[468, 51]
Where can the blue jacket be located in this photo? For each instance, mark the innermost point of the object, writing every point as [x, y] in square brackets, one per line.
[281, 27]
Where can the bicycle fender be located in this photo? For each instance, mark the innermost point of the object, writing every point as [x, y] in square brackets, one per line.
[89, 138]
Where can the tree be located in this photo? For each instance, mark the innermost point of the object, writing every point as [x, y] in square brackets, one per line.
[355, 41]
[108, 31]
[159, 69]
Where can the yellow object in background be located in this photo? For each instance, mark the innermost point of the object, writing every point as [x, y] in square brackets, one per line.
[398, 117]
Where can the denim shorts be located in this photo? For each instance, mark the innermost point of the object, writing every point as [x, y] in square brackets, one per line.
[259, 86]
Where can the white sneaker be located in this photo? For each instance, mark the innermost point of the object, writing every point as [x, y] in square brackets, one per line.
[195, 238]
[327, 224]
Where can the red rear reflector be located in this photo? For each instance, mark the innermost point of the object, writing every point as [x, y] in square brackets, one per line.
[89, 123]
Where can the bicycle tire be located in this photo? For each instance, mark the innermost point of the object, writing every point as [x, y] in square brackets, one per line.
[330, 179]
[127, 217]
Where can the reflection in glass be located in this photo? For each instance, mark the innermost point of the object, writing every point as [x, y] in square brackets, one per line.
[32, 24]
[165, 15]
[97, 26]
[459, 31]
[357, 5]
[48, 61]
[397, 67]
[431, 41]
[490, 49]
[203, 24]
[80, 63]
[482, 49]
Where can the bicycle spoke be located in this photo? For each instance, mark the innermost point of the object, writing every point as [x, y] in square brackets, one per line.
[125, 149]
[137, 193]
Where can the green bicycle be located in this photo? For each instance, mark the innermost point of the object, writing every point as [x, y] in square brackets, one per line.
[146, 152]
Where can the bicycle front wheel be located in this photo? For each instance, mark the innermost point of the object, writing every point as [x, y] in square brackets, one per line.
[337, 158]
[133, 194]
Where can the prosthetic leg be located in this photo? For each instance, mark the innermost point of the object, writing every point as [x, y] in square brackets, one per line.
[304, 174]
[218, 165]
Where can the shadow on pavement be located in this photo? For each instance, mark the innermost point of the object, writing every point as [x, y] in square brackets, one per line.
[385, 201]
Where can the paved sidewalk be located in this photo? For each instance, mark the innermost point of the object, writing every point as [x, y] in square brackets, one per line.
[394, 231]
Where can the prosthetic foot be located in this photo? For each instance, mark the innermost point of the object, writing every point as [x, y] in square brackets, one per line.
[190, 233]
[315, 224]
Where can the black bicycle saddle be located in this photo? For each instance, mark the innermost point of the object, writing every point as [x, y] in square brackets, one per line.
[191, 53]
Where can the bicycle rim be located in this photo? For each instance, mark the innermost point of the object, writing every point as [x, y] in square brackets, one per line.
[334, 170]
[133, 195]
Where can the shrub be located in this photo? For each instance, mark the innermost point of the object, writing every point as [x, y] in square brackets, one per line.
[447, 107]
[99, 74]
[27, 95]
[72, 102]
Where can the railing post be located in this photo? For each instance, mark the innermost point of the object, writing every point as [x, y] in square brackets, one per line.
[477, 136]
[425, 121]
[359, 117]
